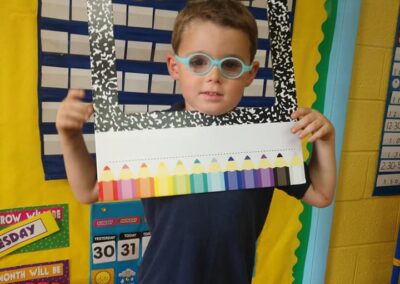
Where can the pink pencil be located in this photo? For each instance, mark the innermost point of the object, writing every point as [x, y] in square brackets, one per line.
[126, 185]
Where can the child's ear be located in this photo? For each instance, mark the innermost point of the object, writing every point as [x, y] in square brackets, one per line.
[172, 66]
[252, 73]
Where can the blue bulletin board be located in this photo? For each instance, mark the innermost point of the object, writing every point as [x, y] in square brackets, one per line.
[142, 31]
[388, 172]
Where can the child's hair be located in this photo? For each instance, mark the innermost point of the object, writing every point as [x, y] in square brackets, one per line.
[226, 13]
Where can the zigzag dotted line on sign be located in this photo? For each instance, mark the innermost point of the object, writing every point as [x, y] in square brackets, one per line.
[198, 156]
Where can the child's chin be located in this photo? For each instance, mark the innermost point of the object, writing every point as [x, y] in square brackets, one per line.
[214, 110]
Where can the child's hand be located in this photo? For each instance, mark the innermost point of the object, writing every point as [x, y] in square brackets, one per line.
[73, 113]
[312, 121]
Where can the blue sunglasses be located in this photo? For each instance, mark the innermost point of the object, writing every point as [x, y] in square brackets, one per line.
[201, 64]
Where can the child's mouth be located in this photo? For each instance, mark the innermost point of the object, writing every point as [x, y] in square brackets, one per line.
[212, 95]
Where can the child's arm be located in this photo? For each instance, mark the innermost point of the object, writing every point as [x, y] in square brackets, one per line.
[79, 165]
[323, 164]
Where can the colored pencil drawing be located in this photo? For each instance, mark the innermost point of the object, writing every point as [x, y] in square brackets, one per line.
[221, 176]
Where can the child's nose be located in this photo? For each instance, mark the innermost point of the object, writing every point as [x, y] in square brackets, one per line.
[214, 74]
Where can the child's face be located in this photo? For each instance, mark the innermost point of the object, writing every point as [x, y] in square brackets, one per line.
[212, 93]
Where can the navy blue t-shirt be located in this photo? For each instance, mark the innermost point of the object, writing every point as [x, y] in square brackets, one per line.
[207, 237]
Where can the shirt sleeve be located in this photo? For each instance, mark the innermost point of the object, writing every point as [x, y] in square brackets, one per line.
[298, 190]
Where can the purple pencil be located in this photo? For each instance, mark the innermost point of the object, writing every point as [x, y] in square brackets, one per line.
[265, 173]
[248, 174]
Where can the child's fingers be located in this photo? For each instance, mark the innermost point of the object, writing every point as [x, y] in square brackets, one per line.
[77, 106]
[75, 97]
[80, 113]
[74, 122]
[71, 124]
[300, 112]
[72, 114]
[303, 123]
[311, 122]
[90, 110]
[76, 94]
[319, 134]
[312, 127]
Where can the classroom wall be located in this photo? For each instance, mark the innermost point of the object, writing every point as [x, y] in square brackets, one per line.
[364, 229]
[22, 181]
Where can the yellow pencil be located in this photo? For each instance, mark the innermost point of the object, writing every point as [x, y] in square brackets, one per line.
[163, 182]
[296, 171]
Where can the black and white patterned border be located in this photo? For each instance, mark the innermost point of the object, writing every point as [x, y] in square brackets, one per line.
[109, 117]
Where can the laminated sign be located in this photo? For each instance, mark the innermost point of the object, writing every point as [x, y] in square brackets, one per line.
[26, 232]
[184, 152]
[119, 237]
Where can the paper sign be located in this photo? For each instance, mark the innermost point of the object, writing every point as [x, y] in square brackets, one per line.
[387, 180]
[48, 272]
[12, 216]
[227, 163]
[26, 232]
[172, 153]
[119, 237]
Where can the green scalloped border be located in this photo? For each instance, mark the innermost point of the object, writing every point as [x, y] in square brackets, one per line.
[328, 28]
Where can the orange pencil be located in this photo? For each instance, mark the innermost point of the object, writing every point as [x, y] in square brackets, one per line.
[145, 182]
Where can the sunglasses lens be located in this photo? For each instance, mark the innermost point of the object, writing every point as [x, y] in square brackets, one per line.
[199, 63]
[231, 67]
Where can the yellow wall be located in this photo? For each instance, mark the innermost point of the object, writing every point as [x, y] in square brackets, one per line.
[22, 181]
[365, 228]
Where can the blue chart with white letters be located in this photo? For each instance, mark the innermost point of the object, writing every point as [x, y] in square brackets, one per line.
[142, 32]
[388, 173]
[118, 238]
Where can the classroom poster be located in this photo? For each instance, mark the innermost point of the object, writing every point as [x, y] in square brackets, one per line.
[118, 239]
[26, 232]
[56, 272]
[388, 172]
[15, 216]
[187, 152]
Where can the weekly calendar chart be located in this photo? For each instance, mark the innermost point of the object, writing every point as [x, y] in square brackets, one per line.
[119, 236]
[388, 173]
[184, 152]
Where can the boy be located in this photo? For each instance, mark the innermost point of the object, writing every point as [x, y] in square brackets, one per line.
[205, 238]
